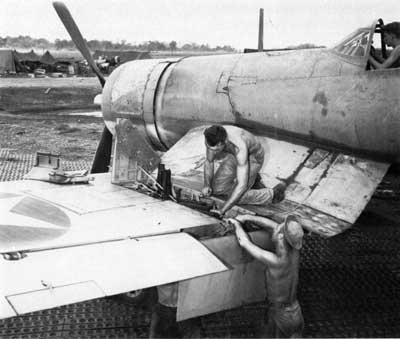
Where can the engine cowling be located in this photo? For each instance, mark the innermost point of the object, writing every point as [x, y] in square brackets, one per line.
[130, 93]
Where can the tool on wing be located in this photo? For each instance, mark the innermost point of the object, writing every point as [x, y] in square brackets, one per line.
[162, 183]
[69, 177]
[47, 168]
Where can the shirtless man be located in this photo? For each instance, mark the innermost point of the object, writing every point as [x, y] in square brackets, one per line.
[391, 36]
[243, 158]
[285, 318]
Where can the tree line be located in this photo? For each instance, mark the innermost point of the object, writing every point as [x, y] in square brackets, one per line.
[27, 42]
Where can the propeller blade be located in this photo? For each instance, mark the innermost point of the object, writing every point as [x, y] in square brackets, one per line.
[77, 37]
[102, 158]
[103, 153]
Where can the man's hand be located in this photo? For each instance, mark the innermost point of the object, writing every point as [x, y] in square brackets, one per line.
[241, 218]
[217, 212]
[222, 214]
[240, 233]
[234, 222]
[206, 191]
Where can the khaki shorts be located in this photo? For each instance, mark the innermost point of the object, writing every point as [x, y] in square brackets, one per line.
[224, 182]
[224, 179]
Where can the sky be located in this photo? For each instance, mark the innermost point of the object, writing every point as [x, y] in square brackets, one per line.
[216, 22]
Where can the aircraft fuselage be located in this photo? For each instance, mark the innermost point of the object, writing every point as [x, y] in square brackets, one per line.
[311, 97]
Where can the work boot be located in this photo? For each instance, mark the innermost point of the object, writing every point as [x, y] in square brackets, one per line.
[279, 193]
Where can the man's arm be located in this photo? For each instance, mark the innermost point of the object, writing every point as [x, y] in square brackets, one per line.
[242, 176]
[376, 55]
[266, 257]
[208, 172]
[260, 221]
[388, 62]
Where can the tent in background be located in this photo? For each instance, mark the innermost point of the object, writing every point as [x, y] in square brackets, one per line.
[28, 57]
[9, 62]
[30, 60]
[48, 59]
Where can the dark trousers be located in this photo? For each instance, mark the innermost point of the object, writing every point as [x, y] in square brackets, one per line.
[284, 321]
[164, 324]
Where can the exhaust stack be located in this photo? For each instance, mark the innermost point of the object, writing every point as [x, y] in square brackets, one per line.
[261, 31]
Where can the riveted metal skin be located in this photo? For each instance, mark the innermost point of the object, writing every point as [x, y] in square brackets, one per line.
[315, 97]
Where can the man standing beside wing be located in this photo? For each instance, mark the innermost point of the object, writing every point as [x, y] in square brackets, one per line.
[285, 319]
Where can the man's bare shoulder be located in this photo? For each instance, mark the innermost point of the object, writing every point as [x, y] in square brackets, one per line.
[238, 134]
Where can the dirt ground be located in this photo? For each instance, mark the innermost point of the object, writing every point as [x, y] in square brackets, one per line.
[40, 95]
[75, 137]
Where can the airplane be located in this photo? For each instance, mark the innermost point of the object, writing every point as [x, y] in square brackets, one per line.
[329, 125]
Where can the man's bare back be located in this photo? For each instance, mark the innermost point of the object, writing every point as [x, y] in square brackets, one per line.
[285, 318]
[282, 280]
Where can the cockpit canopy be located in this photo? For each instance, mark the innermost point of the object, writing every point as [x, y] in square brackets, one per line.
[356, 47]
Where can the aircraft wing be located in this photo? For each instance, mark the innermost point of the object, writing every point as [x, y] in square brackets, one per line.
[64, 244]
[326, 190]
